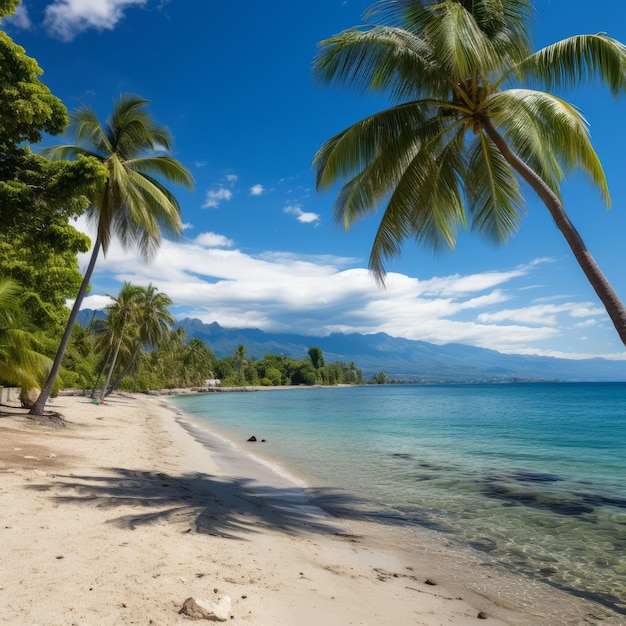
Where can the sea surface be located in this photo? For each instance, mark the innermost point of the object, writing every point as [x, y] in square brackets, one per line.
[532, 475]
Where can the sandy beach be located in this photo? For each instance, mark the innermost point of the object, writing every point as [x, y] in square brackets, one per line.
[122, 515]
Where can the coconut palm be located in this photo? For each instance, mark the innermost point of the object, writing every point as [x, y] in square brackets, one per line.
[19, 363]
[133, 203]
[152, 320]
[122, 326]
[467, 122]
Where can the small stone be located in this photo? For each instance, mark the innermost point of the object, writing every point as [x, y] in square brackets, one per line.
[482, 615]
[192, 609]
[429, 581]
[253, 438]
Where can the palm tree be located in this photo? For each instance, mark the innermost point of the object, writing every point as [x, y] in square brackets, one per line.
[19, 363]
[468, 121]
[132, 204]
[122, 317]
[153, 322]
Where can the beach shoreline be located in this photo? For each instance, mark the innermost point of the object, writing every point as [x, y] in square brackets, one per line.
[124, 514]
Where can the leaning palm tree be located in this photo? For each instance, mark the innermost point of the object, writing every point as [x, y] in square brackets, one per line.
[467, 124]
[123, 317]
[133, 203]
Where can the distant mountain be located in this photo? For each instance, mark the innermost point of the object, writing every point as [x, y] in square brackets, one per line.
[403, 359]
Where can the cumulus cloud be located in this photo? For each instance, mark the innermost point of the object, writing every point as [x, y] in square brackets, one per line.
[96, 302]
[67, 18]
[215, 196]
[542, 314]
[257, 190]
[302, 216]
[213, 240]
[210, 279]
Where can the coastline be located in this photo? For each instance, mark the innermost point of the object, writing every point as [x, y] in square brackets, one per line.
[124, 514]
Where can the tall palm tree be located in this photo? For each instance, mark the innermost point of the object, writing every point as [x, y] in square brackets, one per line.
[133, 203]
[468, 121]
[123, 317]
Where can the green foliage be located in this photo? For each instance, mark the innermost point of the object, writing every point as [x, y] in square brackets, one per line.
[27, 108]
[468, 121]
[380, 379]
[132, 204]
[20, 364]
[316, 356]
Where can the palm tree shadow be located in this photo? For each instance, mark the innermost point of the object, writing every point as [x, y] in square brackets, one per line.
[196, 502]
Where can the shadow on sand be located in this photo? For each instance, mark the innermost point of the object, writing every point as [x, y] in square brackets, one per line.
[199, 503]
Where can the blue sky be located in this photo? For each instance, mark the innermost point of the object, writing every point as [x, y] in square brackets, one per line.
[232, 80]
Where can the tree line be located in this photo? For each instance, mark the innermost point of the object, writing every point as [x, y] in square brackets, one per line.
[136, 347]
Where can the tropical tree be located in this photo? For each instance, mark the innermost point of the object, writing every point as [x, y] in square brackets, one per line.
[133, 203]
[468, 121]
[121, 327]
[20, 364]
[152, 320]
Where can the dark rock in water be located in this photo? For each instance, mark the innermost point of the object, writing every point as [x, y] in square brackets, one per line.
[482, 615]
[253, 438]
[263, 440]
[429, 581]
[548, 570]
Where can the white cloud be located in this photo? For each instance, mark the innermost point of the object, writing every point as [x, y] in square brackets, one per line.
[302, 216]
[257, 190]
[213, 240]
[208, 278]
[96, 302]
[215, 196]
[231, 178]
[67, 18]
[187, 226]
[542, 314]
[20, 19]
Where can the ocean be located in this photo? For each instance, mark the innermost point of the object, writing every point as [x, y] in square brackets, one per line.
[530, 476]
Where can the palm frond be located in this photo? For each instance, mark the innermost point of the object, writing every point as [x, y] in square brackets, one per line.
[394, 130]
[380, 58]
[562, 135]
[426, 203]
[164, 166]
[575, 60]
[492, 191]
[89, 131]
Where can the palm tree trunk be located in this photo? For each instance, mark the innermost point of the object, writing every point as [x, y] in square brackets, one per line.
[111, 367]
[125, 371]
[611, 301]
[40, 403]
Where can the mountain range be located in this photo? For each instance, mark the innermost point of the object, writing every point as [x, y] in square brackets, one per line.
[401, 359]
[407, 360]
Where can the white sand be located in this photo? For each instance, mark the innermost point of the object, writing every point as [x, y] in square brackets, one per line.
[121, 516]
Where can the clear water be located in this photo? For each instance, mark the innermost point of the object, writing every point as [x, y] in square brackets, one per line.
[534, 475]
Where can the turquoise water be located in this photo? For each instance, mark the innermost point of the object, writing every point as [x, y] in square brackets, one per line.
[533, 475]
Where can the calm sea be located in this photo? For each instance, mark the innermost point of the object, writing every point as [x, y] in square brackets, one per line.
[533, 475]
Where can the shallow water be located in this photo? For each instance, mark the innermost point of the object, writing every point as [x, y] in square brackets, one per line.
[532, 475]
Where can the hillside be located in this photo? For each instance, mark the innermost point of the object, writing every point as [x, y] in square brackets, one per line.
[404, 359]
